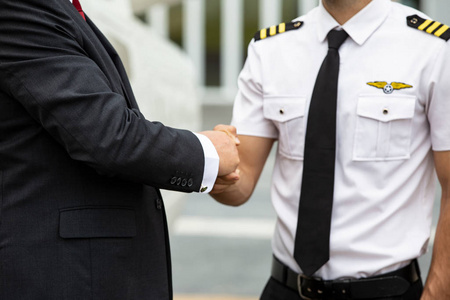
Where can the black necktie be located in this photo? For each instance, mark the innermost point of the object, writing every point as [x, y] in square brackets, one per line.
[312, 241]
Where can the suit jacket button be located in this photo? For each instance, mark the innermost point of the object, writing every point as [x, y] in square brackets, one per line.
[183, 182]
[190, 182]
[173, 180]
[178, 181]
[158, 203]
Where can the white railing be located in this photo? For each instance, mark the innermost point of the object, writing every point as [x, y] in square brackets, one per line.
[232, 18]
[437, 9]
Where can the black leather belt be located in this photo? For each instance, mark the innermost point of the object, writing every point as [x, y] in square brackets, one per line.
[392, 284]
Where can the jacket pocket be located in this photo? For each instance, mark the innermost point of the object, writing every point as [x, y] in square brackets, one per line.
[97, 222]
[383, 128]
[287, 113]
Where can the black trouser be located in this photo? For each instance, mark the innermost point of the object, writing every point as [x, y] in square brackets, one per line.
[275, 290]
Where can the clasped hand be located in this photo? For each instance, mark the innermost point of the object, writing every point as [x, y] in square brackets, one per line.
[225, 140]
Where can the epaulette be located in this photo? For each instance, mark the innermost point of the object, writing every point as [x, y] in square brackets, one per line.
[273, 30]
[429, 26]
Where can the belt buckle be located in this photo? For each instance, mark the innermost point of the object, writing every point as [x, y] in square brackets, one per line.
[300, 279]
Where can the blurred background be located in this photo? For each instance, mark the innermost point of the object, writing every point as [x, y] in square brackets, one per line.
[183, 58]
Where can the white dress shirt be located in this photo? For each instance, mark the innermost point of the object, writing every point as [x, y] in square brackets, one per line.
[384, 177]
[211, 169]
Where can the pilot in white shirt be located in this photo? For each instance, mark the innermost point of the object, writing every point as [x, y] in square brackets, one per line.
[393, 120]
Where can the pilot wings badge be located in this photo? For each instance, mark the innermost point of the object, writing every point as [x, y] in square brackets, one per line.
[388, 88]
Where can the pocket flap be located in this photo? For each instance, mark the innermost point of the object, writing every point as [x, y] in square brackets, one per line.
[97, 222]
[386, 109]
[283, 109]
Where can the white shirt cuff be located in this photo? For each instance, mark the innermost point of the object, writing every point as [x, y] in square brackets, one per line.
[211, 164]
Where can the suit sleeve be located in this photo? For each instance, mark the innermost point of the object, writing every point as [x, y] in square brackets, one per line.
[43, 65]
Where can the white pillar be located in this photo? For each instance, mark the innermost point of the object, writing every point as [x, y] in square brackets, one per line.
[194, 34]
[232, 28]
[305, 6]
[438, 10]
[270, 12]
[158, 18]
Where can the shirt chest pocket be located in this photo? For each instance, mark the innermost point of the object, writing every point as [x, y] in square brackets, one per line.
[383, 128]
[287, 114]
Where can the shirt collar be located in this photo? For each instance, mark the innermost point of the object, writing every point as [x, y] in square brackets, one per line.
[361, 26]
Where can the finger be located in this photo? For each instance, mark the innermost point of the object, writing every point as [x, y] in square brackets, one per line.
[226, 182]
[231, 176]
[230, 131]
[230, 128]
[226, 128]
[217, 189]
[228, 179]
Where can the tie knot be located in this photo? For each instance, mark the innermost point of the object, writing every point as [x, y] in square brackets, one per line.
[336, 38]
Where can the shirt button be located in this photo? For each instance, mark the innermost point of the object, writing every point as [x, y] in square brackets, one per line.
[385, 111]
[281, 111]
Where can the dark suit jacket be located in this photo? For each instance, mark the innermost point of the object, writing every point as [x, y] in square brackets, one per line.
[81, 216]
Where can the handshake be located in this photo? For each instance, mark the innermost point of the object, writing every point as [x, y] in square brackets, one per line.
[225, 140]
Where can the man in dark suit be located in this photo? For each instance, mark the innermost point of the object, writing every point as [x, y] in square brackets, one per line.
[81, 216]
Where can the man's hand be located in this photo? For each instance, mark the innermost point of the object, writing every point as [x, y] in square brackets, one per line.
[224, 139]
[225, 181]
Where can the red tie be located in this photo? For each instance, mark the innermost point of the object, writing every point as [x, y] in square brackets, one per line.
[77, 5]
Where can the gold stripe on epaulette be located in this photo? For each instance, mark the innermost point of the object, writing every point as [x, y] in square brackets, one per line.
[263, 33]
[273, 30]
[433, 27]
[429, 26]
[441, 31]
[424, 24]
